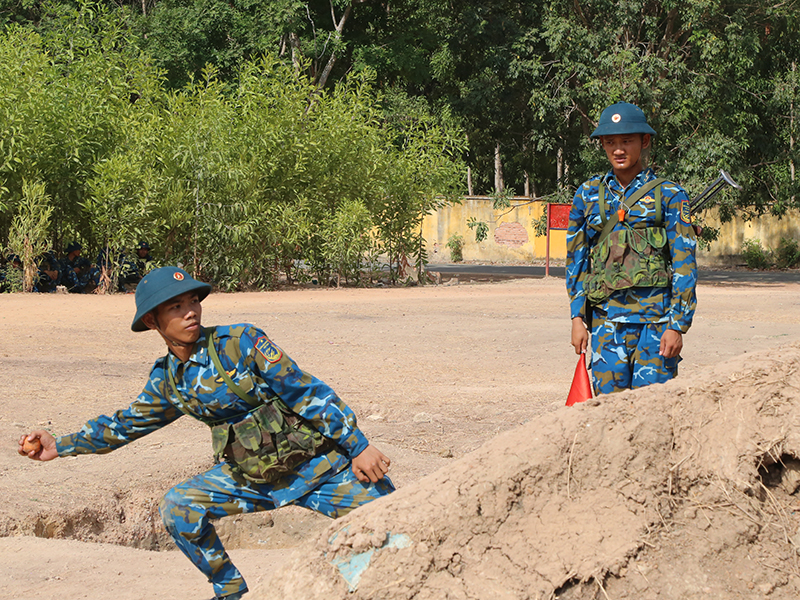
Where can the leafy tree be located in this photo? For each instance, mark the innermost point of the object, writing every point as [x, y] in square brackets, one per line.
[64, 93]
[28, 236]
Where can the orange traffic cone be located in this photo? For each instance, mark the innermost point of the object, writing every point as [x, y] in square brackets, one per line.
[581, 389]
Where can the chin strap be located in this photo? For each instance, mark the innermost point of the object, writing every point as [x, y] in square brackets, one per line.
[171, 341]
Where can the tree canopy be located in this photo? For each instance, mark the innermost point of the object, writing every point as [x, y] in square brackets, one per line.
[210, 122]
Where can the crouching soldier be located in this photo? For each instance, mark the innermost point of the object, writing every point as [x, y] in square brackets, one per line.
[281, 435]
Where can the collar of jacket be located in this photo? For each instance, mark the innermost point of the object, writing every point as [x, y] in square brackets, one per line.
[643, 177]
[199, 355]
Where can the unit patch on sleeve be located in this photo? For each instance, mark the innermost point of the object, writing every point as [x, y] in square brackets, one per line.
[686, 212]
[268, 350]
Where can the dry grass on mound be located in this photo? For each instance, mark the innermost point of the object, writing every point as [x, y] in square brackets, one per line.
[686, 490]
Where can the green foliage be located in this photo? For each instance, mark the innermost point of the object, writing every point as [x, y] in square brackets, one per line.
[455, 244]
[706, 235]
[481, 229]
[347, 240]
[63, 95]
[501, 199]
[28, 236]
[755, 256]
[15, 280]
[540, 225]
[787, 255]
[238, 182]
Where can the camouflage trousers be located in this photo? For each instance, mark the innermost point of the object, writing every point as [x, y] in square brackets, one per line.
[188, 508]
[625, 356]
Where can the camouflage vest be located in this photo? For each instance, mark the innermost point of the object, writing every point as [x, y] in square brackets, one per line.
[267, 442]
[628, 257]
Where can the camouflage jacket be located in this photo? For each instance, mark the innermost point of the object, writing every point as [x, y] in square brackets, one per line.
[674, 304]
[209, 397]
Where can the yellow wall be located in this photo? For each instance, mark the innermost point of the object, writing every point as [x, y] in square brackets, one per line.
[768, 229]
[507, 227]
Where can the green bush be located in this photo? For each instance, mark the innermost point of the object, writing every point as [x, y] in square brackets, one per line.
[788, 254]
[456, 246]
[755, 256]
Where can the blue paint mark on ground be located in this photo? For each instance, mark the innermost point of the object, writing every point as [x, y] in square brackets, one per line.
[353, 567]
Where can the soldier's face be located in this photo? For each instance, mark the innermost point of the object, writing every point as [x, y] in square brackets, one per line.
[624, 152]
[179, 318]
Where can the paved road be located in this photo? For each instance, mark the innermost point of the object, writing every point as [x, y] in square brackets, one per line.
[495, 272]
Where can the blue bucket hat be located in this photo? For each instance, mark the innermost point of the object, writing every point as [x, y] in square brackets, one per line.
[622, 118]
[160, 285]
[72, 247]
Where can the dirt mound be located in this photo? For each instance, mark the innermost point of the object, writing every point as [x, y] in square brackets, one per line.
[685, 490]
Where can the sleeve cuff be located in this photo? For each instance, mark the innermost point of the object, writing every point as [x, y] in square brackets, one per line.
[65, 445]
[676, 326]
[359, 446]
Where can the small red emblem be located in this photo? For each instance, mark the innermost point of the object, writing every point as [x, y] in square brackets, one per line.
[178, 276]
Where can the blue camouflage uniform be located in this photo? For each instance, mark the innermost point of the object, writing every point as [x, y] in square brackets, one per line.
[323, 483]
[627, 328]
[46, 283]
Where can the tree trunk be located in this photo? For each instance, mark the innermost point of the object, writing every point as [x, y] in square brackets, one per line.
[498, 170]
[559, 168]
[791, 129]
[527, 192]
[323, 78]
[469, 181]
[294, 42]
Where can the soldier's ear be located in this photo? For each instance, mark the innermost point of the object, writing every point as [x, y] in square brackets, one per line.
[645, 140]
[149, 320]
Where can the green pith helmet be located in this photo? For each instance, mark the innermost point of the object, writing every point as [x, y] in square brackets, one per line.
[160, 285]
[622, 118]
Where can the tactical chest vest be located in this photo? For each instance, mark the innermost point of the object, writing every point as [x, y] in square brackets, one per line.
[628, 256]
[263, 444]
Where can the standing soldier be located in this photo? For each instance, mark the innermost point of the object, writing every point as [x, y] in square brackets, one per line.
[631, 269]
[281, 436]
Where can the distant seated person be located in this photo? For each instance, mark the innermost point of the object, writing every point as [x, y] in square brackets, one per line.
[144, 261]
[77, 272]
[69, 267]
[49, 273]
[87, 275]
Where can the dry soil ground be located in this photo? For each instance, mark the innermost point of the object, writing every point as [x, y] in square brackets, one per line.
[432, 372]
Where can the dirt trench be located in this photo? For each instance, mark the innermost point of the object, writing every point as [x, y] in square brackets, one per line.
[686, 490]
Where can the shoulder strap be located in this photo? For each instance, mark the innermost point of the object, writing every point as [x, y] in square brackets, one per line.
[212, 352]
[629, 202]
[657, 194]
[182, 404]
[601, 201]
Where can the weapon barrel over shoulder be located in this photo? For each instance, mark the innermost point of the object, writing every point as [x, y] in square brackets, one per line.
[719, 183]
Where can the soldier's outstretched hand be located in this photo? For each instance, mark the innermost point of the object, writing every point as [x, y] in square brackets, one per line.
[370, 465]
[38, 445]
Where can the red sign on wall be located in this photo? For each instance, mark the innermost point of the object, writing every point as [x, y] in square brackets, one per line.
[558, 215]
